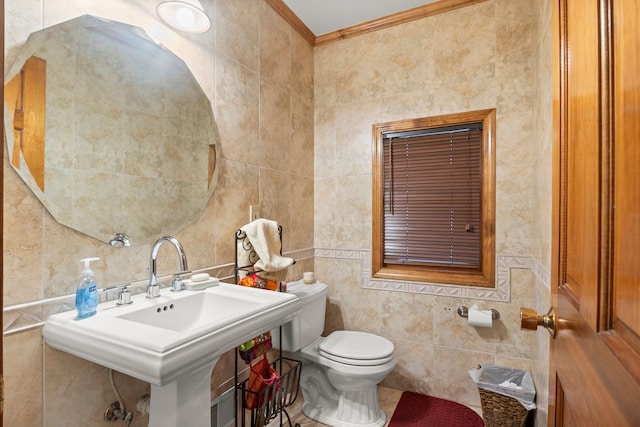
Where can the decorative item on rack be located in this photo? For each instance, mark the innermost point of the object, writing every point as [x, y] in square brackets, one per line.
[255, 281]
[256, 347]
[261, 376]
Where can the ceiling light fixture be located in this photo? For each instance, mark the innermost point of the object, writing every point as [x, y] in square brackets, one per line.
[184, 15]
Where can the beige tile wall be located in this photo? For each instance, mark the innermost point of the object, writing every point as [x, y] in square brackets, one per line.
[258, 75]
[472, 58]
[541, 249]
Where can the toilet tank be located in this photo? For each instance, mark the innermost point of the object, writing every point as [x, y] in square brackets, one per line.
[308, 324]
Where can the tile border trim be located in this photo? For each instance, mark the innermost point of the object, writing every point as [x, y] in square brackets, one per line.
[502, 291]
[24, 317]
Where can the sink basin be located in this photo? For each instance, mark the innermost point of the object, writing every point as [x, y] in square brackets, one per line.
[172, 341]
[191, 313]
[158, 339]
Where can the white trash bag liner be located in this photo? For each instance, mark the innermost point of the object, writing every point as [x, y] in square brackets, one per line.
[509, 382]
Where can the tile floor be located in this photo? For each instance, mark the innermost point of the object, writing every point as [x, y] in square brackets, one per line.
[388, 398]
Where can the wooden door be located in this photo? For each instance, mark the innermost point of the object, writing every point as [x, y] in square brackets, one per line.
[595, 359]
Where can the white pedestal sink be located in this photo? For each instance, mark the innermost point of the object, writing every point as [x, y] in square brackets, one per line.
[173, 341]
[184, 401]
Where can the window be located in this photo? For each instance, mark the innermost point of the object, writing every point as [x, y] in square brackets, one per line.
[434, 199]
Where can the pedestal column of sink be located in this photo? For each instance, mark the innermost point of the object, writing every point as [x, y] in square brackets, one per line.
[184, 402]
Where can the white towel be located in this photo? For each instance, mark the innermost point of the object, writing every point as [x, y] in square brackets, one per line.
[265, 239]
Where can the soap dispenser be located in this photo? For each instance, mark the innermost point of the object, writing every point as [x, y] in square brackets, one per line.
[87, 292]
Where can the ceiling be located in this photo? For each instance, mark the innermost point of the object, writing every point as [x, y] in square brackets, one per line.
[326, 16]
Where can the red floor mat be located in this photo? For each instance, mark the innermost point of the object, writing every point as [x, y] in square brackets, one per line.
[418, 410]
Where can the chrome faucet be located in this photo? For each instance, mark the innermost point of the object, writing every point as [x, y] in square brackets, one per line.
[153, 290]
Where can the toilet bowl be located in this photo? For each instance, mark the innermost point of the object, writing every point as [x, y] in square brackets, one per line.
[340, 372]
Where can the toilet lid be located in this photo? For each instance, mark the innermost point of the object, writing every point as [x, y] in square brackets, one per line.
[357, 348]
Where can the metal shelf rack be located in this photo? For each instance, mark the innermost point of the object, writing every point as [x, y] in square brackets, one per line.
[272, 400]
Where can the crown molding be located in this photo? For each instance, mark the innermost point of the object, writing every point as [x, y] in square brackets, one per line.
[419, 12]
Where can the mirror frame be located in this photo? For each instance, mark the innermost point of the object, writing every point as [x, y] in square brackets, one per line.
[99, 153]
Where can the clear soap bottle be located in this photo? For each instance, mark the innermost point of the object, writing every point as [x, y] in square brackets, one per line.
[87, 292]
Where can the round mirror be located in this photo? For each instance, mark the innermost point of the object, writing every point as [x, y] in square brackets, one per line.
[110, 130]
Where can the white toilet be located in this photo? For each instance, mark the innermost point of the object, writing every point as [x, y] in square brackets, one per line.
[340, 372]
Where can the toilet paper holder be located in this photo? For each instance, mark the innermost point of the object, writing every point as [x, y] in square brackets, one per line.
[463, 311]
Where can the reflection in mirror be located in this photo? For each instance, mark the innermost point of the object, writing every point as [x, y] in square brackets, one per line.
[111, 131]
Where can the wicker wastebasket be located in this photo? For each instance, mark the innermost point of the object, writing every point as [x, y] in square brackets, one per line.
[506, 396]
[502, 411]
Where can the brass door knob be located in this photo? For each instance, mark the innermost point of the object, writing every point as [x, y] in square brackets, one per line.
[529, 319]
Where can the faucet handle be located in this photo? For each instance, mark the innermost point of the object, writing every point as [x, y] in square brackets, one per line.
[178, 281]
[124, 297]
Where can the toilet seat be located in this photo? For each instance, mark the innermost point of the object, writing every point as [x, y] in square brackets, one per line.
[357, 348]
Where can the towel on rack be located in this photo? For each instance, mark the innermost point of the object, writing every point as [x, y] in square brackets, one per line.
[265, 239]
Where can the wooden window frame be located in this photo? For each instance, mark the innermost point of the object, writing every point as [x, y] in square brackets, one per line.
[485, 275]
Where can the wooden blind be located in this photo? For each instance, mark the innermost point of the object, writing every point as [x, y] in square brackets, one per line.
[432, 197]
